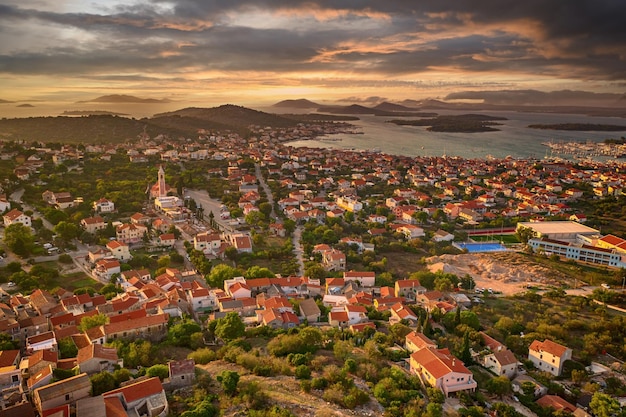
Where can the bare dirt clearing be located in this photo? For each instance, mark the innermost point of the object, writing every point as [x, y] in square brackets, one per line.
[285, 391]
[508, 273]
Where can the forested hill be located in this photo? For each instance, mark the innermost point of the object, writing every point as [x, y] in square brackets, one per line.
[115, 129]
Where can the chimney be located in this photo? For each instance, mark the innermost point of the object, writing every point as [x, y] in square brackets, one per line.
[453, 361]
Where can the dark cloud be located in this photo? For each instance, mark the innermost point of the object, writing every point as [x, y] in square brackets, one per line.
[574, 39]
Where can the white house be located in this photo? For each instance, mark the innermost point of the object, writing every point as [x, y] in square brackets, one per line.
[104, 206]
[16, 216]
[549, 356]
[440, 369]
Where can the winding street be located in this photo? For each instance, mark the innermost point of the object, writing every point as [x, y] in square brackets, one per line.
[266, 188]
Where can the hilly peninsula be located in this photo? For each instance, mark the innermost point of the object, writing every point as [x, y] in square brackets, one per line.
[463, 123]
[187, 122]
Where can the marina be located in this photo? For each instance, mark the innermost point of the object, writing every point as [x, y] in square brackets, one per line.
[587, 149]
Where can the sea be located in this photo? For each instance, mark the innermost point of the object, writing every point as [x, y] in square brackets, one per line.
[514, 138]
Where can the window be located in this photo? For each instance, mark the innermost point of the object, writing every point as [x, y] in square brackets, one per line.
[14, 378]
[67, 397]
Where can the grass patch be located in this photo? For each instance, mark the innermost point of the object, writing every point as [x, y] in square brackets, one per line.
[506, 239]
[77, 280]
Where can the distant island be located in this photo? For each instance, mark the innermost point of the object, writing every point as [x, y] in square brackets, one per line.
[376, 111]
[301, 103]
[579, 127]
[463, 123]
[5, 101]
[91, 113]
[122, 98]
[25, 105]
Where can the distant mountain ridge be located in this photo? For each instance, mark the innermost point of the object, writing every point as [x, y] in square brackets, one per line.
[123, 98]
[301, 103]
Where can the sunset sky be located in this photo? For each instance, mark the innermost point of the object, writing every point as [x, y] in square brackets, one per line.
[245, 51]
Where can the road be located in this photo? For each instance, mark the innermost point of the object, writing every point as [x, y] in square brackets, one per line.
[298, 250]
[268, 192]
[209, 205]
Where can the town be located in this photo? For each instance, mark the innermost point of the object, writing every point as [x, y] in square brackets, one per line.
[237, 275]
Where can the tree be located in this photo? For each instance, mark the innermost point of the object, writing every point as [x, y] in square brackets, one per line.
[7, 342]
[524, 234]
[19, 239]
[499, 386]
[603, 405]
[67, 348]
[230, 327]
[229, 381]
[180, 333]
[102, 382]
[89, 322]
[66, 230]
[465, 354]
[434, 410]
[256, 271]
[220, 273]
[160, 370]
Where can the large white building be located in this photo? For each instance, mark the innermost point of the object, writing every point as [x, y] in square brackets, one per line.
[579, 252]
[565, 231]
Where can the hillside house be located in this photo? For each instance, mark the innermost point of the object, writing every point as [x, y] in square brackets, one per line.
[66, 391]
[442, 370]
[549, 356]
[93, 224]
[144, 398]
[15, 216]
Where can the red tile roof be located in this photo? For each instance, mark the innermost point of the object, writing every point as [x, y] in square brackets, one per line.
[138, 390]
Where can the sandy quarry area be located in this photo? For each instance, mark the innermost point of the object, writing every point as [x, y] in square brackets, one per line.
[508, 273]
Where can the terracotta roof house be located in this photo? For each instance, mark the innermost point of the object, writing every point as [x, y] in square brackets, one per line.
[549, 356]
[66, 391]
[415, 341]
[309, 310]
[96, 358]
[149, 327]
[182, 373]
[144, 398]
[16, 216]
[556, 403]
[502, 362]
[440, 369]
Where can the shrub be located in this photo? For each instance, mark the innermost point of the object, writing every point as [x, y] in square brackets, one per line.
[65, 259]
[162, 371]
[263, 370]
[303, 372]
[203, 356]
[319, 383]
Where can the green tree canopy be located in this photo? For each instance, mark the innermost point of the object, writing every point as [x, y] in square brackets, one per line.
[220, 273]
[89, 322]
[229, 381]
[160, 370]
[102, 382]
[19, 239]
[66, 230]
[230, 327]
[603, 405]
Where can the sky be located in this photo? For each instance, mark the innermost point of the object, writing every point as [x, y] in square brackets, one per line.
[240, 51]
